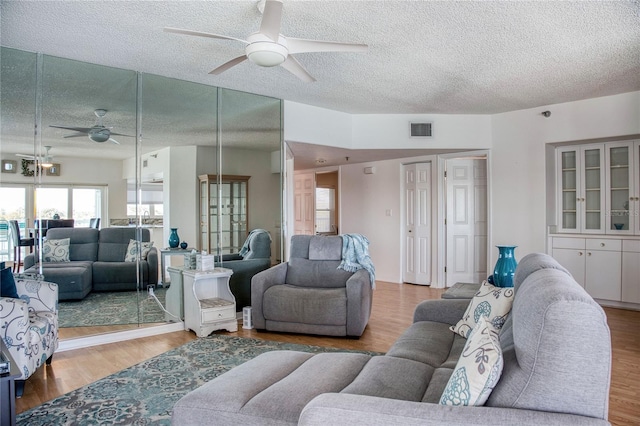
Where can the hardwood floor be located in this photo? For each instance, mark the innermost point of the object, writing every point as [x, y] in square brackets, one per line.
[392, 313]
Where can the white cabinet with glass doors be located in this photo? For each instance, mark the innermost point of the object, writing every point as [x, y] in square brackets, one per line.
[623, 187]
[580, 194]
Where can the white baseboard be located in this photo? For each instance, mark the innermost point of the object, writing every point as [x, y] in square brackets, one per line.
[120, 336]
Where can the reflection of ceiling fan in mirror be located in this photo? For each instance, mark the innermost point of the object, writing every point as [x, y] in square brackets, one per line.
[98, 133]
[269, 48]
[46, 161]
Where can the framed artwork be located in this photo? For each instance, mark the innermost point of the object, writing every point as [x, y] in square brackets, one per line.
[53, 170]
[9, 166]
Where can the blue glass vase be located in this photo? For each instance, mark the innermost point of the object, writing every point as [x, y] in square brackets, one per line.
[505, 267]
[174, 239]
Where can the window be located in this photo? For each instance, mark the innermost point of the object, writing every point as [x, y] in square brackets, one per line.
[13, 207]
[325, 210]
[87, 203]
[151, 198]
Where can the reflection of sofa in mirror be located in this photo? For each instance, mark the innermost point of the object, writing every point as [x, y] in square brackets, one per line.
[96, 262]
[254, 257]
[54, 223]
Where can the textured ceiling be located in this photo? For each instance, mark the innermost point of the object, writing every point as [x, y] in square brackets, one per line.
[424, 56]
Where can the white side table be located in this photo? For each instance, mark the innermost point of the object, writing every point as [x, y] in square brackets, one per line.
[175, 295]
[209, 304]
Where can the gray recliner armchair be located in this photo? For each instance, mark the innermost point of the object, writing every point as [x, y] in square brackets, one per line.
[309, 294]
[254, 257]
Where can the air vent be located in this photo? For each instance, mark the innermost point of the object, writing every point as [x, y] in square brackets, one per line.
[421, 130]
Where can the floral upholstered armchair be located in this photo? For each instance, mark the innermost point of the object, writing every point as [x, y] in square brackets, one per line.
[29, 325]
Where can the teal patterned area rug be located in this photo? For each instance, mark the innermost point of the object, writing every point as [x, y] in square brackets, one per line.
[111, 308]
[145, 393]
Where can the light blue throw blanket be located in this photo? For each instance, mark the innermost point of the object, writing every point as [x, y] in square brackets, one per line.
[355, 255]
[245, 247]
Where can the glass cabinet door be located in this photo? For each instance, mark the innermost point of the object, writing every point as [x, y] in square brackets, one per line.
[592, 200]
[569, 196]
[580, 193]
[225, 220]
[619, 195]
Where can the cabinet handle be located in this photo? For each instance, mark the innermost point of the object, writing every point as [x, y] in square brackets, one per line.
[579, 253]
[589, 253]
[601, 244]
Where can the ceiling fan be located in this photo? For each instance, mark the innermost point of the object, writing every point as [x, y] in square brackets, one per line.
[269, 48]
[98, 133]
[46, 161]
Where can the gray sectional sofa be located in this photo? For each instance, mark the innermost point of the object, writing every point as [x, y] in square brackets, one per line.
[96, 262]
[557, 364]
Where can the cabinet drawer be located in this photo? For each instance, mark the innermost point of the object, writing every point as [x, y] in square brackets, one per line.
[632, 246]
[218, 314]
[603, 244]
[569, 243]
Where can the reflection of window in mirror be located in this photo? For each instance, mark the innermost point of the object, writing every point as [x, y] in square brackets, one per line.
[325, 211]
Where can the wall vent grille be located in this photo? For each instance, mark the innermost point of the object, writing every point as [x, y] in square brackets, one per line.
[421, 130]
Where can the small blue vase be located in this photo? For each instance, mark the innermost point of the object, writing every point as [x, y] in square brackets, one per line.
[505, 267]
[174, 239]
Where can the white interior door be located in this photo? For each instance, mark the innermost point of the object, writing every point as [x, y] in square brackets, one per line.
[304, 203]
[466, 221]
[417, 224]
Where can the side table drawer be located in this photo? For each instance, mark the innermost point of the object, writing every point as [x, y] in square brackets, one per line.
[218, 314]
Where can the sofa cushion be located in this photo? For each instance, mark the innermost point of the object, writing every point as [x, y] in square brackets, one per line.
[73, 278]
[83, 242]
[478, 369]
[428, 342]
[316, 273]
[287, 303]
[8, 284]
[133, 249]
[55, 250]
[114, 243]
[390, 377]
[494, 303]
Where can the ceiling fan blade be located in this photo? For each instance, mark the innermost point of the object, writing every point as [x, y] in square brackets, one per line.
[202, 34]
[294, 67]
[222, 68]
[271, 19]
[27, 156]
[122, 134]
[75, 129]
[114, 141]
[299, 45]
[77, 135]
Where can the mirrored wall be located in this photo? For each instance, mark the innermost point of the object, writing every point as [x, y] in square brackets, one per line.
[161, 135]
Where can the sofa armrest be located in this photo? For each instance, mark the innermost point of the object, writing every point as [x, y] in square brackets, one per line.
[359, 299]
[29, 261]
[39, 295]
[260, 282]
[332, 408]
[14, 318]
[448, 311]
[152, 261]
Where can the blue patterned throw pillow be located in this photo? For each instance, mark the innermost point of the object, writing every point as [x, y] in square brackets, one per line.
[493, 303]
[55, 250]
[478, 369]
[132, 250]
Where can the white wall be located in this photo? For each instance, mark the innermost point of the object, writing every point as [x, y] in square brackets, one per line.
[310, 124]
[518, 160]
[82, 171]
[391, 131]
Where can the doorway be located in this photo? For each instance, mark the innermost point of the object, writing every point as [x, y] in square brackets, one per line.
[316, 203]
[466, 220]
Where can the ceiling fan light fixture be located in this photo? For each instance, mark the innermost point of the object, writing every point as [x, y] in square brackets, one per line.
[266, 53]
[99, 135]
[46, 163]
